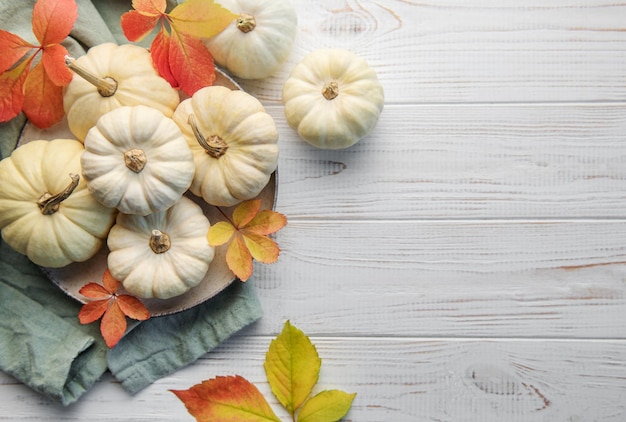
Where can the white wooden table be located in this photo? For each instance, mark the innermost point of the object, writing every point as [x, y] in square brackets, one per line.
[467, 261]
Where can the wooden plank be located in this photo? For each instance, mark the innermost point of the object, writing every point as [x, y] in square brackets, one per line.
[395, 380]
[448, 278]
[488, 161]
[448, 51]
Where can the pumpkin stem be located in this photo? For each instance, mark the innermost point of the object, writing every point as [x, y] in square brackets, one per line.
[49, 204]
[107, 86]
[159, 242]
[135, 159]
[215, 146]
[245, 23]
[330, 90]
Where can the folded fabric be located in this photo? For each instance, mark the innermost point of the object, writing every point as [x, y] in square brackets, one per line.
[42, 342]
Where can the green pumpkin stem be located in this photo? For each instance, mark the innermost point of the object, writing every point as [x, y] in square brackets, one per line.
[107, 86]
[215, 146]
[49, 203]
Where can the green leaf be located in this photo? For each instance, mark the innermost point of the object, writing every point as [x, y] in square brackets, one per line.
[292, 366]
[327, 406]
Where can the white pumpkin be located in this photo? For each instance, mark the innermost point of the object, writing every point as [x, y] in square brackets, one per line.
[255, 44]
[46, 211]
[161, 255]
[137, 160]
[234, 143]
[333, 98]
[111, 76]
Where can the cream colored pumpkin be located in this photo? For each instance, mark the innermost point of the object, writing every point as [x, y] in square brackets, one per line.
[255, 44]
[111, 76]
[234, 143]
[333, 98]
[136, 160]
[161, 255]
[46, 211]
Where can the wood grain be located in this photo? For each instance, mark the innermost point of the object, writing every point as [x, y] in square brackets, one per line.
[460, 162]
[451, 51]
[400, 380]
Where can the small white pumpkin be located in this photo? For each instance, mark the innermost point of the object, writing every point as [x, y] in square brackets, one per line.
[234, 143]
[333, 98]
[46, 211]
[111, 76]
[136, 160]
[255, 44]
[161, 255]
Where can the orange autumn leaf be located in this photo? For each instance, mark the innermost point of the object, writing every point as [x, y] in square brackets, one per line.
[226, 399]
[247, 233]
[37, 91]
[112, 307]
[181, 57]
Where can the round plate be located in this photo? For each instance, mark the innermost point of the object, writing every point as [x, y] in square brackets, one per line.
[72, 277]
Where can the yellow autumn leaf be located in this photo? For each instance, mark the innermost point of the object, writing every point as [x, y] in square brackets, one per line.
[327, 406]
[245, 212]
[262, 248]
[292, 366]
[200, 18]
[220, 233]
[239, 259]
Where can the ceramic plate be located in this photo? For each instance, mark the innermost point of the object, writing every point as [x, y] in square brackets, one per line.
[72, 277]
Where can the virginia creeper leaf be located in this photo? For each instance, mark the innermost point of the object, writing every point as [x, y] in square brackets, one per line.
[200, 18]
[94, 291]
[239, 259]
[136, 25]
[132, 307]
[43, 100]
[327, 406]
[113, 325]
[111, 307]
[292, 366]
[160, 52]
[150, 7]
[190, 62]
[245, 212]
[14, 48]
[220, 233]
[226, 399]
[266, 222]
[262, 248]
[92, 311]
[247, 233]
[53, 20]
[53, 59]
[12, 90]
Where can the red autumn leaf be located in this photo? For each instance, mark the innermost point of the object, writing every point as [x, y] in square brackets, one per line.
[190, 62]
[113, 325]
[53, 20]
[160, 52]
[111, 307]
[37, 91]
[12, 91]
[247, 233]
[14, 48]
[226, 399]
[180, 57]
[43, 100]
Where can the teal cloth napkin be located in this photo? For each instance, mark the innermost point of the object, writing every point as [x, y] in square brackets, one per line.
[42, 343]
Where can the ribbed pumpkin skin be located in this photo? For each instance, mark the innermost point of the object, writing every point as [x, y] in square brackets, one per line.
[72, 234]
[252, 138]
[166, 175]
[339, 122]
[147, 274]
[138, 83]
[260, 52]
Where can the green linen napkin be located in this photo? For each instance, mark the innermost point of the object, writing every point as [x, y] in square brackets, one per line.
[42, 343]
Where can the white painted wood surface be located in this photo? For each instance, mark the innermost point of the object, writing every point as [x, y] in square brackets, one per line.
[466, 262]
